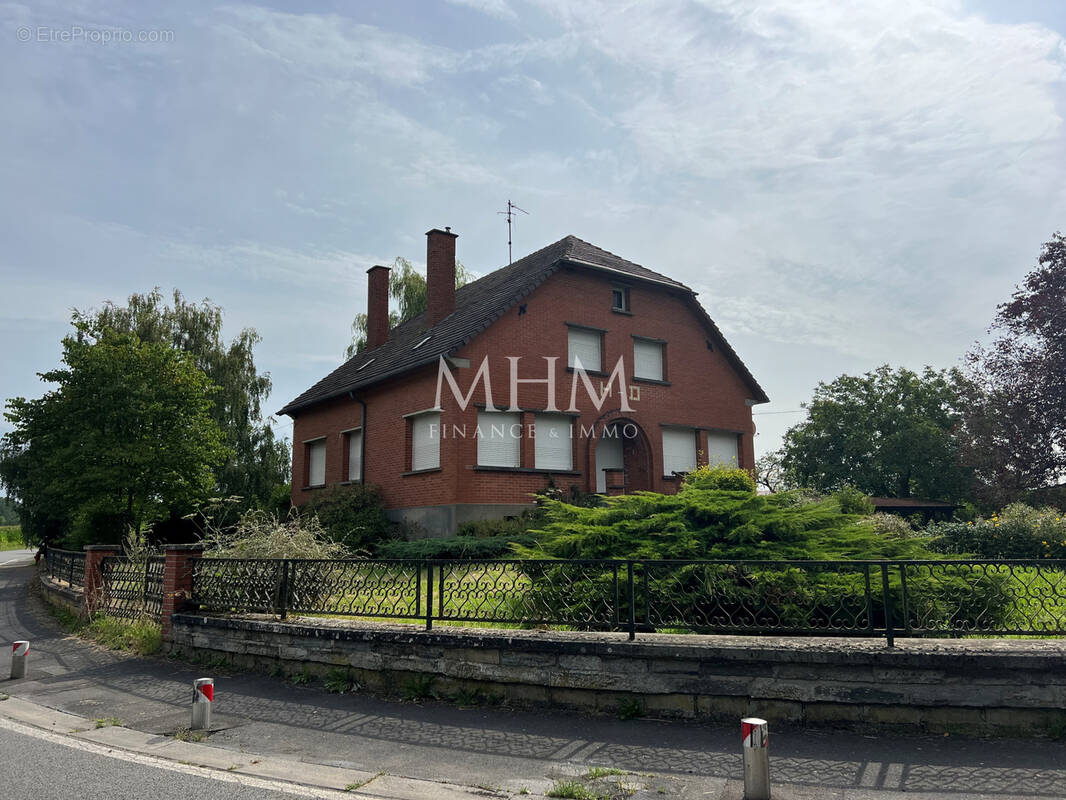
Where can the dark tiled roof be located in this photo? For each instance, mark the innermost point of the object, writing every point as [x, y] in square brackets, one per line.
[478, 305]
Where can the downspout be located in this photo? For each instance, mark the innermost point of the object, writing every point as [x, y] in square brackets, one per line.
[362, 439]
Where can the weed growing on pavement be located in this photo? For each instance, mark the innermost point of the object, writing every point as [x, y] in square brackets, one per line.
[602, 772]
[630, 708]
[301, 678]
[106, 722]
[573, 790]
[3, 697]
[340, 681]
[420, 687]
[351, 787]
[186, 735]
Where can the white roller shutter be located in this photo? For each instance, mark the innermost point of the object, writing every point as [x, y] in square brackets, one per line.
[584, 345]
[316, 463]
[679, 450]
[355, 455]
[425, 441]
[647, 359]
[722, 449]
[553, 447]
[498, 439]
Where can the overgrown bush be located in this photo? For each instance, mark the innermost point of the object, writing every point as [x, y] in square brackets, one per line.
[720, 477]
[891, 526]
[1018, 531]
[141, 636]
[258, 534]
[351, 515]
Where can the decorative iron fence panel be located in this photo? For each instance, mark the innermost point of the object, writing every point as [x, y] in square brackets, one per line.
[132, 588]
[65, 566]
[827, 598]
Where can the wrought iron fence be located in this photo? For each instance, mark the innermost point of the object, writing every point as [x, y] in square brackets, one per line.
[132, 588]
[65, 566]
[828, 598]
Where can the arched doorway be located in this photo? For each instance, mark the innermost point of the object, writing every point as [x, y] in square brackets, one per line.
[622, 446]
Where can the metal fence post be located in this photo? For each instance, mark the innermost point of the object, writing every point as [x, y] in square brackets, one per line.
[632, 599]
[887, 600]
[429, 595]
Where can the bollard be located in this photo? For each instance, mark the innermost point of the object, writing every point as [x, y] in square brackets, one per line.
[756, 740]
[18, 659]
[203, 695]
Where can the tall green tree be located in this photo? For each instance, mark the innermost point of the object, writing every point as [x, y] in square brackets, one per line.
[890, 432]
[407, 287]
[126, 435]
[258, 461]
[1015, 420]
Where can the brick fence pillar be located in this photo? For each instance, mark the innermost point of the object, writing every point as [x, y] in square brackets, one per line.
[177, 580]
[93, 584]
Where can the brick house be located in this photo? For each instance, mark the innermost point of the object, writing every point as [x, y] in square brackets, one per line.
[656, 391]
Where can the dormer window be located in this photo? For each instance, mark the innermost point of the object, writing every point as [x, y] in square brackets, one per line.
[620, 299]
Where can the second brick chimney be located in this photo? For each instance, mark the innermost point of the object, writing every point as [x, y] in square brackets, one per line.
[440, 275]
[377, 307]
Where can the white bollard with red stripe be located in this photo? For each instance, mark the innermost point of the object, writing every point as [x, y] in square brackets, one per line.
[203, 695]
[756, 744]
[18, 659]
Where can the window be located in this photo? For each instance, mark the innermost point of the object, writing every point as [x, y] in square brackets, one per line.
[722, 449]
[316, 463]
[498, 439]
[553, 448]
[355, 455]
[425, 442]
[679, 450]
[583, 344]
[647, 359]
[620, 298]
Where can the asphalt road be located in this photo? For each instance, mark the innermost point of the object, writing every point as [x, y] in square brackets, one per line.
[36, 765]
[16, 557]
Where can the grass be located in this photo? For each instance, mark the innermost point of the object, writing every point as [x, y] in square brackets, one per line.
[351, 787]
[420, 687]
[186, 735]
[141, 636]
[575, 790]
[596, 773]
[11, 537]
[630, 708]
[106, 722]
[340, 681]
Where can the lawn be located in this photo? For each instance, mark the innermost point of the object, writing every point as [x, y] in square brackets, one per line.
[11, 537]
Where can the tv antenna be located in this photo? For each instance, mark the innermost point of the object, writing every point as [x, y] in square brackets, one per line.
[509, 213]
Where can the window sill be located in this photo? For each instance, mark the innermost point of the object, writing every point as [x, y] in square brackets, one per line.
[625, 311]
[419, 472]
[530, 470]
[312, 487]
[597, 372]
[351, 483]
[652, 381]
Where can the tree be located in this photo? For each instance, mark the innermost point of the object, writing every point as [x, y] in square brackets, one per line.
[887, 433]
[258, 461]
[126, 435]
[407, 286]
[1015, 421]
[770, 474]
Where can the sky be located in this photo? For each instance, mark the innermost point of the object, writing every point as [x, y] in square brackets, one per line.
[844, 184]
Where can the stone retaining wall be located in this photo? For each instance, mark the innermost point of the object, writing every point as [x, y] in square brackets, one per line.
[941, 685]
[58, 594]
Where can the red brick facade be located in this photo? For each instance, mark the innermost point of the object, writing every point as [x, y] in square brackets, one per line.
[701, 389]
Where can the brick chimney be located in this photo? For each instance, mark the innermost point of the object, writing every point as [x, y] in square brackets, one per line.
[440, 275]
[377, 307]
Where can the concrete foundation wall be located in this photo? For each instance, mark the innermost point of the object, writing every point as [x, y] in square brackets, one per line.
[434, 522]
[971, 687]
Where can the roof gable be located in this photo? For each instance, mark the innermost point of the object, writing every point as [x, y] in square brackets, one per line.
[478, 305]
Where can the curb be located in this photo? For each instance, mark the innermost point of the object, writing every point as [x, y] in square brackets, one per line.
[350, 782]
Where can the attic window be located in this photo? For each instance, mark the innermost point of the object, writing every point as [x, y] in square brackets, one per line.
[422, 343]
[367, 364]
[620, 298]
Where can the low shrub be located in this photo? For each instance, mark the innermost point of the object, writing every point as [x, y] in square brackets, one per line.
[351, 515]
[482, 539]
[720, 477]
[853, 501]
[259, 534]
[891, 526]
[1018, 531]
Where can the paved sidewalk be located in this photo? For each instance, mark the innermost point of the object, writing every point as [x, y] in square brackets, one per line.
[497, 749]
